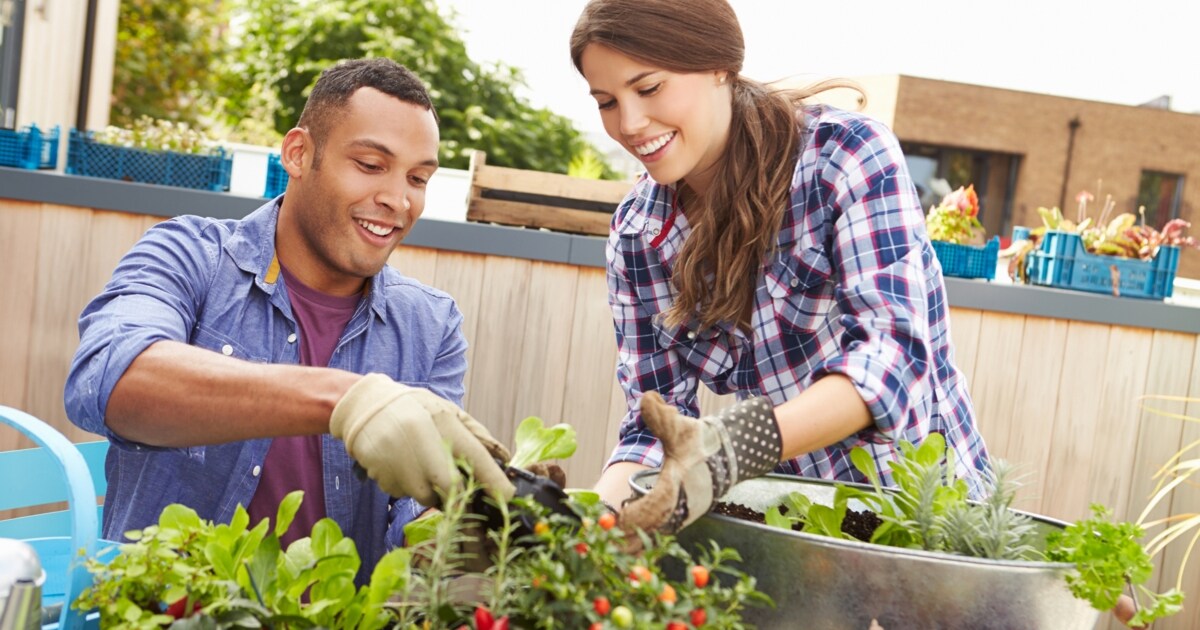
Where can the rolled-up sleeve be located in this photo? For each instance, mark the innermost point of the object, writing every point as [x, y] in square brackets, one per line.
[152, 296]
[885, 344]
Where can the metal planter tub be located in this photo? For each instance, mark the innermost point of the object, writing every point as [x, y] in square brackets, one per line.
[820, 582]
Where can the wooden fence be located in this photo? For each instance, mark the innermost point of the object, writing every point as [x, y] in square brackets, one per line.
[1060, 398]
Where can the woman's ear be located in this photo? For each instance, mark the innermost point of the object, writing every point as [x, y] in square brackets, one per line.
[297, 148]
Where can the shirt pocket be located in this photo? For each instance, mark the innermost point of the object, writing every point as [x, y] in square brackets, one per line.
[221, 343]
[797, 282]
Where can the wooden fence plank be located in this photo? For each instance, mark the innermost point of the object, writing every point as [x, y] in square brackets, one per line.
[1159, 438]
[418, 263]
[1186, 500]
[61, 293]
[541, 362]
[1114, 430]
[589, 377]
[20, 223]
[996, 376]
[965, 330]
[499, 341]
[461, 275]
[1070, 456]
[1031, 423]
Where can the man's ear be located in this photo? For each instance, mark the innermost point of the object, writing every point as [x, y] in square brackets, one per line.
[297, 152]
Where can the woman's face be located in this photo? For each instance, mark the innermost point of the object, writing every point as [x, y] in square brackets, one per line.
[676, 124]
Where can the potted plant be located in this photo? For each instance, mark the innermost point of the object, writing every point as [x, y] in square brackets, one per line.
[922, 555]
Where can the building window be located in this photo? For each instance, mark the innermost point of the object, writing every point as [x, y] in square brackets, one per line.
[938, 170]
[12, 22]
[1160, 194]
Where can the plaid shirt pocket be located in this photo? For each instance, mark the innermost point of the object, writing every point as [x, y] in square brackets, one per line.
[798, 280]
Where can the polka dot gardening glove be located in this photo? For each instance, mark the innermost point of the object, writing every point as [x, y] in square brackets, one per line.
[702, 460]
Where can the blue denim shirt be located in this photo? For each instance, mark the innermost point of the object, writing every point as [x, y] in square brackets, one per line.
[215, 284]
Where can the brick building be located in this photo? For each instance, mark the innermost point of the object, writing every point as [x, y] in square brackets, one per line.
[1024, 150]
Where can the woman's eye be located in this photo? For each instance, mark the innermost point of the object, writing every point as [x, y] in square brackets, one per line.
[419, 181]
[609, 104]
[650, 90]
[367, 166]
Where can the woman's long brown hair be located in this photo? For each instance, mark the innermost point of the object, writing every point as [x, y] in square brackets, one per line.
[736, 221]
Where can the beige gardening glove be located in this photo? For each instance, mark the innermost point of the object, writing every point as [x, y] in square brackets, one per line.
[702, 459]
[399, 434]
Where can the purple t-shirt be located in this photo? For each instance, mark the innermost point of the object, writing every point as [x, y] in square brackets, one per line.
[294, 462]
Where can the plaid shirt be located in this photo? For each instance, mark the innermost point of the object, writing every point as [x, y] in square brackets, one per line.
[852, 288]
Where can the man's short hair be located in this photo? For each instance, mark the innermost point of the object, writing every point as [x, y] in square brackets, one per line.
[340, 81]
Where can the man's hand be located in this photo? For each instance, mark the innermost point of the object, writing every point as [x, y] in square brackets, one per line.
[702, 460]
[399, 435]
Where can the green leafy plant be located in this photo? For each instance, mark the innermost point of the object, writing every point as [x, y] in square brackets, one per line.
[232, 575]
[1108, 558]
[536, 442]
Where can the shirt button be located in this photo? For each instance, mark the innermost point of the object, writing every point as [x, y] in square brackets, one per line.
[654, 232]
[691, 334]
[227, 350]
[292, 338]
[795, 283]
[257, 471]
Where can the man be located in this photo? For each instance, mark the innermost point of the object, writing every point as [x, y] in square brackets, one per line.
[224, 357]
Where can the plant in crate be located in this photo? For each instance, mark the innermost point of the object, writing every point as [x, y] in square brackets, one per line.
[152, 152]
[1122, 254]
[955, 231]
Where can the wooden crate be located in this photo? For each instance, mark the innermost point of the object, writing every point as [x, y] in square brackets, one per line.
[535, 199]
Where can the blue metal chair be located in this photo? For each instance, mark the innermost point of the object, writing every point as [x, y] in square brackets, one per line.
[57, 470]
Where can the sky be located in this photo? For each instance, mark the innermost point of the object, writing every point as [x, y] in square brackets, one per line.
[1127, 53]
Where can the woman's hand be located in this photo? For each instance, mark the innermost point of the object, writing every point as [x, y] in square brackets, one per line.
[702, 460]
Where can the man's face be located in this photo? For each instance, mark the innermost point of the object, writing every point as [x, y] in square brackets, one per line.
[340, 221]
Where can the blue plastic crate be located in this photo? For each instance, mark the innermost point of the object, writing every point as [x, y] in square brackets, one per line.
[29, 148]
[167, 168]
[277, 178]
[968, 261]
[1061, 261]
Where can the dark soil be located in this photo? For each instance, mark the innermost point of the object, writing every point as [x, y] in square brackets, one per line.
[860, 525]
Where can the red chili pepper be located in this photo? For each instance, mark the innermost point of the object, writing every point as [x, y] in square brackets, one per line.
[602, 606]
[699, 616]
[484, 619]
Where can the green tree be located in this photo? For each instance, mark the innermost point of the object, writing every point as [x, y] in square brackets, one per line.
[164, 57]
[285, 44]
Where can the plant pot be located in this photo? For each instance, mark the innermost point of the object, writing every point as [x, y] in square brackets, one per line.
[821, 582]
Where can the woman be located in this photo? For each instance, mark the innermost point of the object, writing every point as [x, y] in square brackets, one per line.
[774, 250]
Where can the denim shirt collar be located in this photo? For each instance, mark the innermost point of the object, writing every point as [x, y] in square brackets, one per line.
[252, 249]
